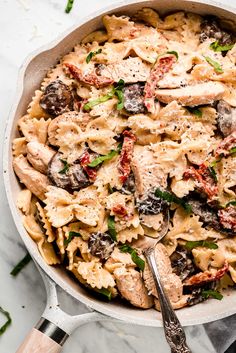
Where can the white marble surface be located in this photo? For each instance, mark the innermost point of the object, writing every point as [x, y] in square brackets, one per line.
[24, 26]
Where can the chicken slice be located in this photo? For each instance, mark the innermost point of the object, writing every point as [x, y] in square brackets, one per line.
[39, 155]
[130, 70]
[202, 93]
[171, 282]
[147, 172]
[35, 181]
[131, 286]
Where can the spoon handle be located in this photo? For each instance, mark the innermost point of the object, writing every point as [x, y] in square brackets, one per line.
[174, 332]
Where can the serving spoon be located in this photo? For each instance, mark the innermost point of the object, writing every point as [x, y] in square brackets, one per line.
[174, 331]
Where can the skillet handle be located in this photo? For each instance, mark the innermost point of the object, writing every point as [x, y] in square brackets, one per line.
[45, 337]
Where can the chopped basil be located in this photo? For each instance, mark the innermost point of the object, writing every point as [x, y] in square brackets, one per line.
[134, 255]
[71, 236]
[116, 91]
[169, 197]
[214, 163]
[206, 244]
[65, 168]
[88, 106]
[101, 159]
[195, 111]
[233, 203]
[112, 228]
[69, 6]
[105, 292]
[213, 173]
[7, 323]
[218, 48]
[110, 189]
[174, 53]
[233, 150]
[21, 265]
[212, 293]
[215, 64]
[92, 54]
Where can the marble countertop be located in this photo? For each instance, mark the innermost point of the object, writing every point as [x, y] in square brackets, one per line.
[25, 26]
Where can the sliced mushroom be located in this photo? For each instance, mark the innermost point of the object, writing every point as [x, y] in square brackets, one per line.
[134, 99]
[101, 245]
[131, 287]
[182, 263]
[57, 98]
[70, 177]
[39, 155]
[210, 28]
[226, 118]
[35, 181]
[199, 94]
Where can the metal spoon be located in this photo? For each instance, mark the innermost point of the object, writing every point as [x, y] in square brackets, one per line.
[174, 332]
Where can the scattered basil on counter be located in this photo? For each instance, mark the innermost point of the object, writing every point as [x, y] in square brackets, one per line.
[134, 256]
[26, 259]
[71, 236]
[105, 292]
[101, 159]
[169, 197]
[212, 293]
[111, 228]
[65, 168]
[215, 64]
[7, 323]
[213, 173]
[92, 54]
[195, 111]
[206, 244]
[173, 52]
[219, 48]
[69, 6]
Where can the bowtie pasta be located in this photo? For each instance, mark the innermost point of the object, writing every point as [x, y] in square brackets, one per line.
[138, 120]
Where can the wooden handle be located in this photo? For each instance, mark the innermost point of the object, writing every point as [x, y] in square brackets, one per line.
[38, 342]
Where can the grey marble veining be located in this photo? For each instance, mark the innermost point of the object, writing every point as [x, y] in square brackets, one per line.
[26, 25]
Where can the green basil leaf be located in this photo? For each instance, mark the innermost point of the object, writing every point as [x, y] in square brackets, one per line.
[92, 54]
[110, 189]
[101, 159]
[65, 168]
[69, 6]
[169, 197]
[105, 292]
[206, 244]
[233, 150]
[219, 48]
[88, 106]
[233, 203]
[21, 265]
[119, 94]
[112, 228]
[71, 236]
[134, 256]
[7, 323]
[174, 53]
[215, 64]
[214, 163]
[213, 173]
[212, 293]
[195, 111]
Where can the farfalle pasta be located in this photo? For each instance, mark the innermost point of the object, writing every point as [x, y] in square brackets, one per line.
[137, 122]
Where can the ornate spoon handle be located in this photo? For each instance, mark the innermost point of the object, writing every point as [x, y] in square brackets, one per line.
[174, 332]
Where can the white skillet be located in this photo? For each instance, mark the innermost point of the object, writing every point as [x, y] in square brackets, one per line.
[55, 326]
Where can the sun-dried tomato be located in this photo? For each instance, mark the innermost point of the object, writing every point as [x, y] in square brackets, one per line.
[126, 155]
[207, 276]
[90, 79]
[161, 67]
[227, 217]
[120, 210]
[225, 147]
[204, 178]
[85, 159]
